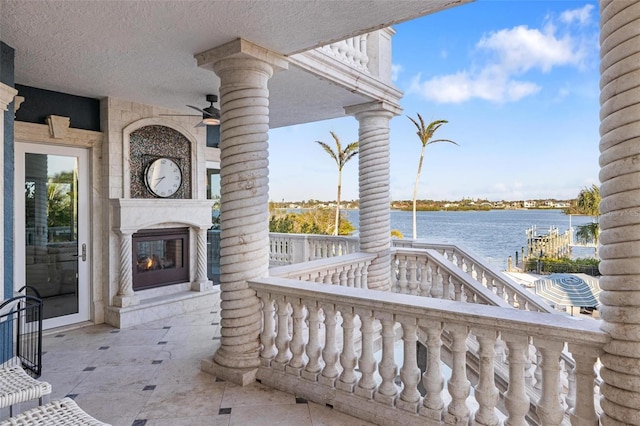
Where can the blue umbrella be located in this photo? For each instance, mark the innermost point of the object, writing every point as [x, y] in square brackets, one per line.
[569, 290]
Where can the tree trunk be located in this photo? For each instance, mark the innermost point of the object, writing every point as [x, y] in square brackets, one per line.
[415, 192]
[337, 225]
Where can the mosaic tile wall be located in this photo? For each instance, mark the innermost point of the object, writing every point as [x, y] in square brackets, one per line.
[151, 142]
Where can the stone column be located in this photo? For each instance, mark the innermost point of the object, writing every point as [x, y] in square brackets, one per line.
[375, 194]
[620, 209]
[244, 70]
[201, 282]
[126, 296]
[6, 96]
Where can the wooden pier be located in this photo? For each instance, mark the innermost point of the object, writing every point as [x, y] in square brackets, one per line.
[551, 245]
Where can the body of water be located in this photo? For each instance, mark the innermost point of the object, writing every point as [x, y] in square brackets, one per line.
[493, 235]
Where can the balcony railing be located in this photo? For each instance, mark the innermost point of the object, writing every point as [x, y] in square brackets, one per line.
[319, 342]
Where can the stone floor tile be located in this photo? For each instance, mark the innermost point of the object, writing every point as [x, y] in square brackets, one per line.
[191, 421]
[281, 415]
[63, 383]
[178, 371]
[254, 394]
[184, 400]
[68, 360]
[109, 406]
[117, 378]
[325, 416]
[131, 355]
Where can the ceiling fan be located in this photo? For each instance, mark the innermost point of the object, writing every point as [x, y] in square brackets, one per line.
[210, 115]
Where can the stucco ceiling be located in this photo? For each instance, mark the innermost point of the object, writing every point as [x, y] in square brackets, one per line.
[144, 50]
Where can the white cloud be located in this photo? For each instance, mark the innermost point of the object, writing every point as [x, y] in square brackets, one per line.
[463, 86]
[520, 49]
[396, 69]
[581, 15]
[507, 55]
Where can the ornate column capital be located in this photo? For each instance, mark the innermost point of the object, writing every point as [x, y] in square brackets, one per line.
[7, 94]
[242, 49]
[376, 108]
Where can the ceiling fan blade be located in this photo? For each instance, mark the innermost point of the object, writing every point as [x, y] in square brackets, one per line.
[179, 115]
[198, 109]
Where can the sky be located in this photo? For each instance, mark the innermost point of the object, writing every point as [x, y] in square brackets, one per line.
[518, 83]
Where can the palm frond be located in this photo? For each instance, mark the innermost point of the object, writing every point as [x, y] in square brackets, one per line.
[442, 140]
[329, 151]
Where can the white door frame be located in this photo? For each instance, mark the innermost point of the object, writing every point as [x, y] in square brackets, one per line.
[84, 213]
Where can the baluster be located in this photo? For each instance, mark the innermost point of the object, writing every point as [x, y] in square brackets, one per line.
[432, 379]
[528, 376]
[469, 295]
[313, 348]
[365, 272]
[402, 275]
[348, 357]
[436, 288]
[367, 362]
[297, 340]
[583, 412]
[500, 290]
[462, 263]
[446, 285]
[459, 387]
[330, 351]
[328, 278]
[357, 276]
[282, 336]
[424, 278]
[343, 277]
[570, 398]
[351, 277]
[268, 335]
[387, 391]
[510, 297]
[409, 373]
[457, 289]
[412, 269]
[549, 408]
[486, 391]
[537, 373]
[516, 399]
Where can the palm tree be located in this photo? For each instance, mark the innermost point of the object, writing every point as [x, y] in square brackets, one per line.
[341, 157]
[425, 133]
[588, 203]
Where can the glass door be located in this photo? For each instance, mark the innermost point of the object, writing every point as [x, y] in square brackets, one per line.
[51, 222]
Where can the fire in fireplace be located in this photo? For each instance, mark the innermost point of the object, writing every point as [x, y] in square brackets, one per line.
[160, 257]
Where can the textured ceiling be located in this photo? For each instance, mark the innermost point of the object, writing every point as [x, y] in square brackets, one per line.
[144, 50]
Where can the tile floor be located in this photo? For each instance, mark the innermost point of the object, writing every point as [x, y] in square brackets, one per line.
[150, 375]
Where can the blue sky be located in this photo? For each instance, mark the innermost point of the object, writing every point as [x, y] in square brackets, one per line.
[517, 82]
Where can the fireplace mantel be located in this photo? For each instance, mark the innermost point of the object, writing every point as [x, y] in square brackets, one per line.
[131, 215]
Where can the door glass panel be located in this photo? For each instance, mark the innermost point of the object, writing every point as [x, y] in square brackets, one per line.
[51, 231]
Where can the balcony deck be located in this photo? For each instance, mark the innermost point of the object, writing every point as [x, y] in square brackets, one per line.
[150, 375]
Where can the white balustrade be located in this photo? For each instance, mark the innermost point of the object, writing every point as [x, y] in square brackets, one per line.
[347, 271]
[323, 366]
[352, 51]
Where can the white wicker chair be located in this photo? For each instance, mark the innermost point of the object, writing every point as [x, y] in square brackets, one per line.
[17, 386]
[60, 412]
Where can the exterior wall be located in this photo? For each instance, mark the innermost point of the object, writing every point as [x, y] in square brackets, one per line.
[6, 165]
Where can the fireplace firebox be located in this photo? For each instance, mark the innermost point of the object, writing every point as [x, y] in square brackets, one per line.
[160, 257]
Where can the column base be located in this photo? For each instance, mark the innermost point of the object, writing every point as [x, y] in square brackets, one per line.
[238, 376]
[122, 301]
[201, 286]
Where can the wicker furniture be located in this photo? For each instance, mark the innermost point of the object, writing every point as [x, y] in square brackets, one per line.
[17, 386]
[59, 412]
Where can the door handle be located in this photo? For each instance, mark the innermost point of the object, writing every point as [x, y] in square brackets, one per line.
[84, 253]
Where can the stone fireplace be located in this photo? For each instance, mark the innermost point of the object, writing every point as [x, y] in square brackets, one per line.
[160, 257]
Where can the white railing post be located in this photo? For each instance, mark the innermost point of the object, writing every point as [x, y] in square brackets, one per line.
[314, 347]
[297, 345]
[486, 391]
[432, 379]
[584, 413]
[348, 357]
[549, 408]
[330, 351]
[387, 391]
[516, 399]
[409, 373]
[458, 385]
[268, 335]
[282, 336]
[367, 361]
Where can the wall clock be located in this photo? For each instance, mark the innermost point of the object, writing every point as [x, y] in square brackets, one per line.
[163, 177]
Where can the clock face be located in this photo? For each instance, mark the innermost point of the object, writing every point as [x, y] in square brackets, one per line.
[163, 177]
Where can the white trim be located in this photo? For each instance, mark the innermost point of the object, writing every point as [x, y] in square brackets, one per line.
[84, 234]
